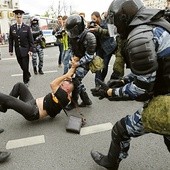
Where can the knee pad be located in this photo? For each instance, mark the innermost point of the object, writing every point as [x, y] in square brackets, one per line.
[119, 132]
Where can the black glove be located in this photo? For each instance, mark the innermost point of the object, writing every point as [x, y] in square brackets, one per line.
[100, 92]
[115, 83]
[116, 75]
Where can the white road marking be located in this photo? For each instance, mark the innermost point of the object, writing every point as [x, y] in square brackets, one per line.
[52, 71]
[14, 58]
[96, 128]
[25, 142]
[8, 58]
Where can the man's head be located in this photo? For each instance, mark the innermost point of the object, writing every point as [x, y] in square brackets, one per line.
[95, 17]
[60, 20]
[75, 25]
[122, 12]
[64, 18]
[34, 21]
[67, 86]
[18, 15]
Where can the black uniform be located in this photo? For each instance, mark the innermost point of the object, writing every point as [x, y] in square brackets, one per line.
[83, 46]
[22, 39]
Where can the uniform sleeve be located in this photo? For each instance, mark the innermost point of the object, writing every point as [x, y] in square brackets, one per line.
[141, 85]
[30, 40]
[10, 40]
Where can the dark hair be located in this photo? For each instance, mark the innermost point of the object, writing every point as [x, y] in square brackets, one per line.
[96, 13]
[59, 16]
[64, 17]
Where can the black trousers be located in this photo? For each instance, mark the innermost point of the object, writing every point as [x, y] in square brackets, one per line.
[21, 100]
[24, 64]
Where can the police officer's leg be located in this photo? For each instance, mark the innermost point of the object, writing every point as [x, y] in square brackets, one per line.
[167, 142]
[130, 126]
[25, 65]
[81, 72]
[41, 57]
[118, 67]
[34, 62]
[106, 63]
[84, 97]
[97, 76]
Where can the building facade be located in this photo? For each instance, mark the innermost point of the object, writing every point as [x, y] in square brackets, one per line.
[160, 4]
[6, 14]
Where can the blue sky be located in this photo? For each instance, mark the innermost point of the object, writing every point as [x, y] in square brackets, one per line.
[40, 6]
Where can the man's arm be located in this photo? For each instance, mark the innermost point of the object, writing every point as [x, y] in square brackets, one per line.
[140, 89]
[30, 40]
[57, 82]
[10, 42]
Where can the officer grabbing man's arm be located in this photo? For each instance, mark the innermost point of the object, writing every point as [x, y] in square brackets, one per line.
[130, 87]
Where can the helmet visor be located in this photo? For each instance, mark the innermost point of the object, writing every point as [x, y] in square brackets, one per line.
[73, 32]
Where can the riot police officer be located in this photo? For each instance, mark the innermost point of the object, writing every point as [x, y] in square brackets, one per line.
[38, 43]
[83, 46]
[147, 54]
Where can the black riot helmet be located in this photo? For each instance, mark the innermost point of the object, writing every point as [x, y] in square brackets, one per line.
[34, 21]
[74, 25]
[122, 12]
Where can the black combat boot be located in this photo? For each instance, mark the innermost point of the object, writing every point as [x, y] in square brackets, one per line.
[40, 71]
[85, 99]
[74, 100]
[111, 161]
[35, 71]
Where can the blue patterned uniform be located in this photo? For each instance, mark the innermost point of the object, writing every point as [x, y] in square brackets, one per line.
[133, 122]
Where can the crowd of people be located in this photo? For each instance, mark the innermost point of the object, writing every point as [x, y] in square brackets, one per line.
[3, 38]
[141, 44]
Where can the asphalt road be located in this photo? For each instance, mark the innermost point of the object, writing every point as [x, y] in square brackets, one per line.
[47, 145]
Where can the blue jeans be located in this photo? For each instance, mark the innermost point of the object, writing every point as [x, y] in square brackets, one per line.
[60, 58]
[66, 58]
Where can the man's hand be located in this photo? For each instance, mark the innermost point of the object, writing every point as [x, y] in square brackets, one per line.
[30, 53]
[70, 73]
[100, 92]
[74, 62]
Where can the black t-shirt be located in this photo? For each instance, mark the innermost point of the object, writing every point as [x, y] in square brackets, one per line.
[51, 106]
